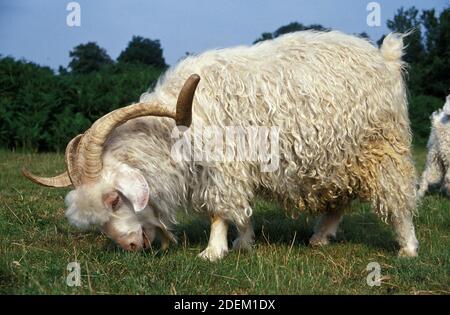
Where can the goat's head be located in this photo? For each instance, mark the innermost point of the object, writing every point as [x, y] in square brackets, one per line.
[110, 194]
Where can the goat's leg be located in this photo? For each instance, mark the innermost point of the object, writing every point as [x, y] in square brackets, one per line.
[397, 199]
[326, 227]
[246, 236]
[432, 175]
[218, 245]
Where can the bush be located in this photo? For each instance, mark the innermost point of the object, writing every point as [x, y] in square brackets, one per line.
[143, 51]
[43, 111]
[420, 109]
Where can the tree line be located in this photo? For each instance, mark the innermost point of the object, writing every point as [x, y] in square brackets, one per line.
[42, 110]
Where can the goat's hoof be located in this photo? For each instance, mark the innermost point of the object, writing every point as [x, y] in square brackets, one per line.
[408, 251]
[242, 244]
[213, 254]
[318, 240]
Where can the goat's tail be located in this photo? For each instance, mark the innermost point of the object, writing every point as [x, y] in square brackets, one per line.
[393, 48]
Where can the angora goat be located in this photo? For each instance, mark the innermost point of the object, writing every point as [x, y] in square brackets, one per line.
[437, 168]
[339, 105]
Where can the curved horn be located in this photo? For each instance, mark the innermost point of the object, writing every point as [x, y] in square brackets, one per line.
[69, 177]
[184, 103]
[71, 159]
[61, 180]
[91, 146]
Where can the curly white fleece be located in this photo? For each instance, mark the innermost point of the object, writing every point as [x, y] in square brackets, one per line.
[437, 167]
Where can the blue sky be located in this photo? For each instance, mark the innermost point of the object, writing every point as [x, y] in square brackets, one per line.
[37, 31]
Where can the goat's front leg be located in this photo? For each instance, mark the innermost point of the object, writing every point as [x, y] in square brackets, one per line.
[218, 244]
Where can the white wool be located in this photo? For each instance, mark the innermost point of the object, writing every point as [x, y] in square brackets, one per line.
[85, 206]
[437, 167]
[392, 48]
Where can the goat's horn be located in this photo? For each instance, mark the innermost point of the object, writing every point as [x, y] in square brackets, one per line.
[61, 180]
[71, 160]
[91, 145]
[184, 103]
[71, 176]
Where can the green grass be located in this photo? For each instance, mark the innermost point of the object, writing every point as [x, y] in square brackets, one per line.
[36, 244]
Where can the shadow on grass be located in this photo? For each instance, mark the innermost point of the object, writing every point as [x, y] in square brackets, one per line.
[273, 226]
[438, 190]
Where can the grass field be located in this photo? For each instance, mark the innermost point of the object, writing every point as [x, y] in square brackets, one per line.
[36, 244]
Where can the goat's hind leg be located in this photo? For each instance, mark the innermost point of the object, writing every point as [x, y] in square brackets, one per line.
[326, 227]
[246, 236]
[396, 199]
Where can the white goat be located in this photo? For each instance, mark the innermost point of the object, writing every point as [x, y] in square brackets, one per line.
[341, 108]
[437, 167]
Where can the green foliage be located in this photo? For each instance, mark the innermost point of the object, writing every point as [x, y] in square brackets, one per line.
[87, 58]
[289, 28]
[363, 35]
[403, 22]
[420, 109]
[427, 49]
[43, 111]
[30, 95]
[428, 55]
[143, 51]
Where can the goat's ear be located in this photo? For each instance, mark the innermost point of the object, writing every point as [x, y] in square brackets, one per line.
[132, 184]
[112, 200]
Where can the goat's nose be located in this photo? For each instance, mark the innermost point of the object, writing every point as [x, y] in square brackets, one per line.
[132, 246]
